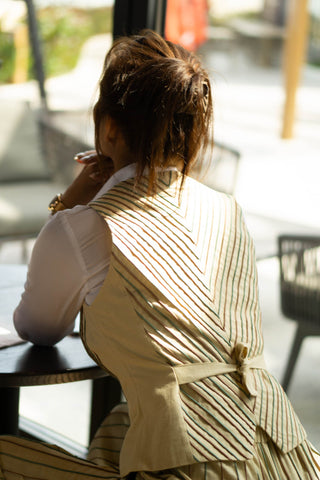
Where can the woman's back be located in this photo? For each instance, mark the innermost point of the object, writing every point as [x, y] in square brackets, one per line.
[183, 288]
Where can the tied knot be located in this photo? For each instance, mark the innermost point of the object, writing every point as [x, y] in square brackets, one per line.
[245, 368]
[193, 372]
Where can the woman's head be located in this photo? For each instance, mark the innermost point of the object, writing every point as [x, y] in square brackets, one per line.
[159, 96]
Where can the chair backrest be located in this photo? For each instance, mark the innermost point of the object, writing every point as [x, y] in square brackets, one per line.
[299, 259]
[21, 158]
[63, 134]
[218, 170]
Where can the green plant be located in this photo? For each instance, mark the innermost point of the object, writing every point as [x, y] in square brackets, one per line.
[7, 57]
[63, 31]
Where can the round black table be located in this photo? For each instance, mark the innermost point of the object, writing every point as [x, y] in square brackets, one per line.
[29, 365]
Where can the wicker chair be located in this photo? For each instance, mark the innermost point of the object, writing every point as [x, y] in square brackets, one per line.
[219, 170]
[35, 164]
[35, 156]
[299, 258]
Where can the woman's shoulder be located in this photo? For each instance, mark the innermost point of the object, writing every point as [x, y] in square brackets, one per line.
[74, 224]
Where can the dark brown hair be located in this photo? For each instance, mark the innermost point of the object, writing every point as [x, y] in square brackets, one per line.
[160, 97]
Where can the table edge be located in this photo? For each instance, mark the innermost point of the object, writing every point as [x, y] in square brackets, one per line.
[16, 380]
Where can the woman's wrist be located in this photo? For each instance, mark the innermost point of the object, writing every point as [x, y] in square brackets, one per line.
[57, 204]
[86, 185]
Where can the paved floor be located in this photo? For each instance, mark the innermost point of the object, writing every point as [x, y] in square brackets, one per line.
[277, 179]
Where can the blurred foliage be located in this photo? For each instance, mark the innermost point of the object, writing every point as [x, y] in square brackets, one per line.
[6, 56]
[314, 40]
[63, 32]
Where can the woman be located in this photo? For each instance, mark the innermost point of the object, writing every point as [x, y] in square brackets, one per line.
[164, 271]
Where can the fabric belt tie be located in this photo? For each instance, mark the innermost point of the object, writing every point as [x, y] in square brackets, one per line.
[193, 372]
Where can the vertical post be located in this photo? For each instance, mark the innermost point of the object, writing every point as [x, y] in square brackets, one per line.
[36, 50]
[295, 47]
[157, 15]
[130, 16]
[22, 54]
[121, 15]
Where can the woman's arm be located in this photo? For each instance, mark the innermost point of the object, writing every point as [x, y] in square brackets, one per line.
[69, 262]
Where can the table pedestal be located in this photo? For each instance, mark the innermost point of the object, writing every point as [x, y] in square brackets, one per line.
[106, 394]
[9, 419]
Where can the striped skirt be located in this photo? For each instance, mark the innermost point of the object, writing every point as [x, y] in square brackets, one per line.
[30, 460]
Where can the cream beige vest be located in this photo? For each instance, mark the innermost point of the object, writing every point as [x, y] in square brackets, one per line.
[177, 320]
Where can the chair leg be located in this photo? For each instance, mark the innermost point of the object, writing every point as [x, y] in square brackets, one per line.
[301, 333]
[106, 394]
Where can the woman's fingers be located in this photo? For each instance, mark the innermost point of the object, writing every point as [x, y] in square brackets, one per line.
[99, 171]
[96, 170]
[86, 157]
[94, 173]
[103, 165]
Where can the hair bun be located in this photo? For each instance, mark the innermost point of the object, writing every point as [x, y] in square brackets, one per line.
[160, 96]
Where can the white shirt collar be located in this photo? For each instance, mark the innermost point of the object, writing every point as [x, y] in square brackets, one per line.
[129, 171]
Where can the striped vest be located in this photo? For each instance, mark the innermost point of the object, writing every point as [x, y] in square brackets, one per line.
[181, 290]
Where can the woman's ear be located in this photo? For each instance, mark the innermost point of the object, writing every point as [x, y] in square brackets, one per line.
[111, 129]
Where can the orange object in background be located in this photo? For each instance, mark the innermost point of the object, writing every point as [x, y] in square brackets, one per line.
[187, 22]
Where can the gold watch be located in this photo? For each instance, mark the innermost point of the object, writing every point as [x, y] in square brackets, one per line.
[56, 204]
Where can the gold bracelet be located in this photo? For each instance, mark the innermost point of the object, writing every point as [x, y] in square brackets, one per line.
[56, 204]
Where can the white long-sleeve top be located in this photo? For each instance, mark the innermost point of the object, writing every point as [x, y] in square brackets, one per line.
[69, 263]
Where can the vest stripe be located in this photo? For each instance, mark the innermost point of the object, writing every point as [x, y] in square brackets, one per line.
[192, 424]
[223, 403]
[202, 407]
[171, 275]
[231, 402]
[197, 321]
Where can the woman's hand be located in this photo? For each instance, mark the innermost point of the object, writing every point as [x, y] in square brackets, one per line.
[89, 181]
